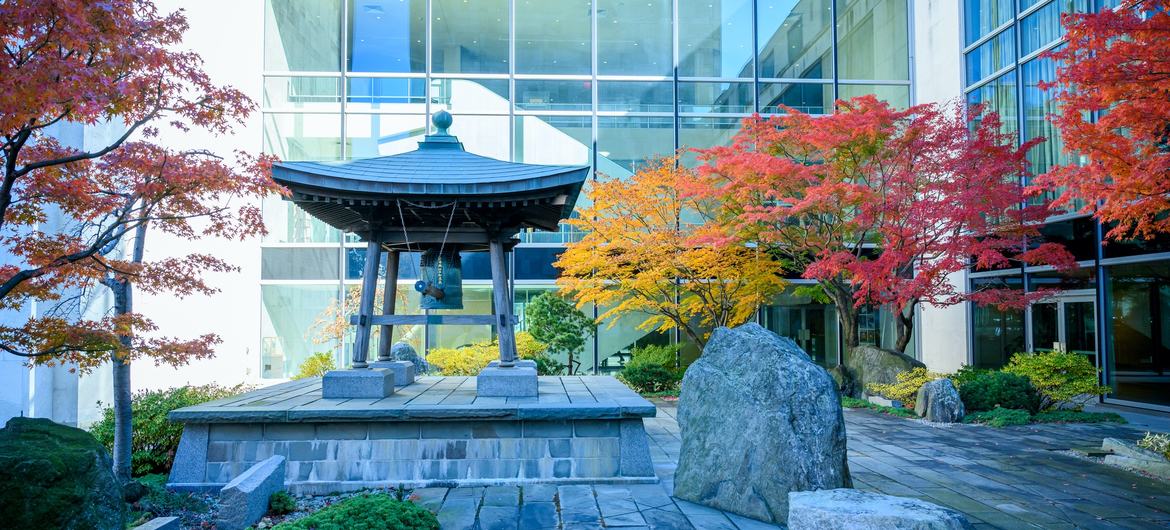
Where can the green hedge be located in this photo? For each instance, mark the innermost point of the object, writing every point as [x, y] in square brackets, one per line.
[370, 511]
[987, 390]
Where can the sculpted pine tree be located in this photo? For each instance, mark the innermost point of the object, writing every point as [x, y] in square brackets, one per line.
[556, 322]
[1113, 89]
[74, 220]
[640, 256]
[878, 205]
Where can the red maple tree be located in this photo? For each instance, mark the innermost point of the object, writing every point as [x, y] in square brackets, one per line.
[73, 220]
[1113, 89]
[878, 205]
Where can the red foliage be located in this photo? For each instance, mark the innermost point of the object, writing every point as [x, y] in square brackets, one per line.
[65, 211]
[1116, 66]
[876, 204]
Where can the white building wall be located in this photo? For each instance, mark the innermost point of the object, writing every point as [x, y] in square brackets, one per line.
[937, 40]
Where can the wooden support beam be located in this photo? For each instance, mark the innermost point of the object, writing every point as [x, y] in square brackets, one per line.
[389, 298]
[361, 344]
[435, 320]
[502, 302]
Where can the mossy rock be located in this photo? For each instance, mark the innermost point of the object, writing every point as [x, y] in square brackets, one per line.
[869, 365]
[56, 476]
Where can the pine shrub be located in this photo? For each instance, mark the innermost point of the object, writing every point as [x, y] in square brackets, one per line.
[370, 511]
[989, 389]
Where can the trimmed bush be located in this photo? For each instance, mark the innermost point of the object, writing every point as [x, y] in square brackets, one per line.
[281, 503]
[967, 373]
[987, 389]
[370, 511]
[648, 378]
[657, 354]
[1059, 377]
[906, 387]
[155, 437]
[469, 360]
[316, 365]
[999, 417]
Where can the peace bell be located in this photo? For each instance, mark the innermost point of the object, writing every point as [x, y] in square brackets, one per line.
[440, 279]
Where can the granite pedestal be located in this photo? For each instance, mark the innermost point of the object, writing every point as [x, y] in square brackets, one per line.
[438, 431]
[357, 384]
[403, 371]
[513, 381]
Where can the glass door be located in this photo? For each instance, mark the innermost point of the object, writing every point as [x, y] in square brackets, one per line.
[1065, 323]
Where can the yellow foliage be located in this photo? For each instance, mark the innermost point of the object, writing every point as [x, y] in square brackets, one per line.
[316, 365]
[906, 387]
[640, 255]
[469, 360]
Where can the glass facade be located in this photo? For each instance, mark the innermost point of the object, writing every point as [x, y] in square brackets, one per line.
[603, 83]
[1113, 309]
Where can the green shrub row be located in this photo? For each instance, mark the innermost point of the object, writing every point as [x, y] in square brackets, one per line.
[1003, 417]
[368, 511]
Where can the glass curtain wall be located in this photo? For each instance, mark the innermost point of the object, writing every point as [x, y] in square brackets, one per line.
[603, 83]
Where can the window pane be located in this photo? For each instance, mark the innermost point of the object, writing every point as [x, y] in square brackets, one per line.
[812, 98]
[386, 95]
[541, 94]
[553, 37]
[702, 133]
[992, 55]
[873, 40]
[387, 35]
[716, 97]
[1038, 107]
[635, 96]
[469, 37]
[302, 36]
[303, 136]
[715, 38]
[558, 140]
[288, 336]
[796, 40]
[625, 143]
[1138, 338]
[1043, 27]
[634, 38]
[299, 263]
[982, 16]
[997, 333]
[288, 223]
[371, 135]
[483, 135]
[302, 93]
[998, 96]
[479, 96]
[897, 96]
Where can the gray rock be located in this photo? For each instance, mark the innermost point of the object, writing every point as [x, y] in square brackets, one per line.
[848, 509]
[403, 371]
[867, 364]
[517, 381]
[160, 523]
[842, 379]
[371, 383]
[244, 500]
[403, 351]
[939, 402]
[1129, 455]
[758, 419]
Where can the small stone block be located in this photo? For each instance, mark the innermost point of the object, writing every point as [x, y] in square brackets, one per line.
[244, 500]
[403, 371]
[160, 523]
[520, 363]
[357, 384]
[517, 381]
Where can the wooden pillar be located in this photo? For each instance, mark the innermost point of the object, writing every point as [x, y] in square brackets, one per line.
[389, 298]
[361, 345]
[502, 302]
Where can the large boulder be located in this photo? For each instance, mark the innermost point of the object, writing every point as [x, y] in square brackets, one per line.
[759, 419]
[939, 401]
[56, 476]
[403, 351]
[846, 509]
[868, 364]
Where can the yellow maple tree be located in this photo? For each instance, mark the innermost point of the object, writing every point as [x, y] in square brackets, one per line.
[639, 255]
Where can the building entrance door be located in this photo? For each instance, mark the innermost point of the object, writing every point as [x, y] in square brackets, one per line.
[1065, 322]
[805, 325]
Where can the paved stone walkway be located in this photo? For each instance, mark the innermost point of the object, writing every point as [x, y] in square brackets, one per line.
[1016, 477]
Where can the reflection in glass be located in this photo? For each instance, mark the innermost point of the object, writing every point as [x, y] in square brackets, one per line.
[385, 94]
[1043, 26]
[286, 324]
[635, 96]
[469, 37]
[898, 96]
[998, 96]
[370, 135]
[796, 40]
[302, 93]
[387, 36]
[715, 38]
[478, 96]
[997, 332]
[702, 133]
[303, 136]
[1045, 330]
[982, 16]
[1080, 328]
[634, 38]
[626, 142]
[716, 97]
[810, 98]
[811, 325]
[553, 37]
[556, 140]
[545, 94]
[288, 223]
[873, 40]
[483, 135]
[300, 263]
[1138, 336]
[1038, 109]
[302, 36]
[991, 56]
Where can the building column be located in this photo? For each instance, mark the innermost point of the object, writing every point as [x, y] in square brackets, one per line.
[366, 304]
[502, 302]
[389, 299]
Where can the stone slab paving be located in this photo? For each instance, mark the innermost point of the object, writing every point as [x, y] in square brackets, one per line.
[1016, 477]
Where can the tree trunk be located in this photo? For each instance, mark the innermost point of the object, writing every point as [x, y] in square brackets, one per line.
[123, 395]
[904, 325]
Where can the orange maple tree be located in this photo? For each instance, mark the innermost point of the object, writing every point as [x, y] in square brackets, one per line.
[1113, 89]
[74, 219]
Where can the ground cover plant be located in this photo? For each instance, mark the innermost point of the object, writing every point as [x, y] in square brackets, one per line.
[854, 403]
[999, 417]
[367, 511]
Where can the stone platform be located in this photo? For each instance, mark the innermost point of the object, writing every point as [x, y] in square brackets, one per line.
[434, 432]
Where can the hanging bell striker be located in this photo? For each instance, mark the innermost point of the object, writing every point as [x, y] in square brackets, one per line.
[440, 279]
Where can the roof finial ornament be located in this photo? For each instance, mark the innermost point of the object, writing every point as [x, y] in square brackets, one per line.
[442, 121]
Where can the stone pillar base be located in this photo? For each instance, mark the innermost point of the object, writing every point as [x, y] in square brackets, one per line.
[520, 363]
[403, 371]
[517, 381]
[373, 383]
